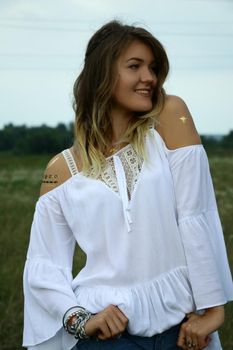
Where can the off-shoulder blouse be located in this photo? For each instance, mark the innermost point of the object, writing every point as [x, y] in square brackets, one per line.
[153, 239]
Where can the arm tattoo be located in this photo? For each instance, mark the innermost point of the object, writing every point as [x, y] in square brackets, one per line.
[50, 179]
[183, 119]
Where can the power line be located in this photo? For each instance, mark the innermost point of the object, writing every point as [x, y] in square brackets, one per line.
[44, 20]
[84, 31]
[63, 29]
[39, 55]
[80, 21]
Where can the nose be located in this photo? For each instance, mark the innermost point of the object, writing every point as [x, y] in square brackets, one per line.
[148, 75]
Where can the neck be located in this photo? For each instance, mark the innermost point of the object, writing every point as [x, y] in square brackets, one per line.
[119, 123]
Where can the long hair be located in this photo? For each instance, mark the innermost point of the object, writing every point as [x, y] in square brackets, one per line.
[93, 90]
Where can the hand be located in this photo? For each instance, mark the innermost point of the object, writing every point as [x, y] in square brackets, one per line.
[108, 323]
[194, 333]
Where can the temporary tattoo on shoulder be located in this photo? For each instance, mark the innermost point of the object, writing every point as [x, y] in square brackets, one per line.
[183, 119]
[50, 179]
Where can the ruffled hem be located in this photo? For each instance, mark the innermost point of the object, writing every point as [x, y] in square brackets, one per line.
[47, 289]
[203, 242]
[151, 307]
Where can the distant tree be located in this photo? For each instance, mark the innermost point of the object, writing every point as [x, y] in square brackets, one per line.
[9, 136]
[210, 142]
[35, 140]
[227, 141]
[45, 139]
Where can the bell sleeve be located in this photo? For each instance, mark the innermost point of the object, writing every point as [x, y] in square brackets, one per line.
[200, 227]
[48, 272]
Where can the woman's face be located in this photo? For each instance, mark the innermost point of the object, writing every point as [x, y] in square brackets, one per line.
[136, 79]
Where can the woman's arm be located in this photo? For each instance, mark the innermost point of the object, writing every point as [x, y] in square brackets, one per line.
[198, 327]
[176, 125]
[55, 174]
[48, 269]
[198, 223]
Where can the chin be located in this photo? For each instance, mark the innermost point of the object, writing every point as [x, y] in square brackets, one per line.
[144, 109]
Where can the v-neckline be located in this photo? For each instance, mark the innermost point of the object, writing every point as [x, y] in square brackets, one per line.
[122, 194]
[117, 194]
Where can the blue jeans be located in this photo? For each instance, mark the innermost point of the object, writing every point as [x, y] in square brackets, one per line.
[163, 341]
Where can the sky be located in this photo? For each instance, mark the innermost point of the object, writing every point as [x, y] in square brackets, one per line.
[42, 47]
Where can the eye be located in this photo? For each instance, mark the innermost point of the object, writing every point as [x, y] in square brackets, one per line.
[134, 66]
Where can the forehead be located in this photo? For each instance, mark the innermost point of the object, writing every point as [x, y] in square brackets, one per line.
[137, 49]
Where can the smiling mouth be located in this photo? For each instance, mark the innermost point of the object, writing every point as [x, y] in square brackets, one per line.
[144, 92]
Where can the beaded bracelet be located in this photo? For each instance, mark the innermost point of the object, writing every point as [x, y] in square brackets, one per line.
[80, 332]
[76, 327]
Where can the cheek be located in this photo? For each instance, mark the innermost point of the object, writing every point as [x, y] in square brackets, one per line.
[126, 80]
[122, 87]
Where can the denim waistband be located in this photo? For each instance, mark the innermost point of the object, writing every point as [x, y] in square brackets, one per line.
[168, 331]
[129, 341]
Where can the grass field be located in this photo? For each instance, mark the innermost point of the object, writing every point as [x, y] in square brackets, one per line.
[19, 185]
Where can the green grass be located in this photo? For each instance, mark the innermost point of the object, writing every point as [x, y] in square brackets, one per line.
[20, 179]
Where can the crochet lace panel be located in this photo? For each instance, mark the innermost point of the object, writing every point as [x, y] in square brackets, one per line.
[132, 165]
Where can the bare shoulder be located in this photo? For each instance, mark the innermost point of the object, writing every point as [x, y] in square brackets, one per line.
[176, 126]
[56, 173]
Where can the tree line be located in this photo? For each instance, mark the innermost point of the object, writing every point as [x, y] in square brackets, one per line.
[46, 139]
[36, 139]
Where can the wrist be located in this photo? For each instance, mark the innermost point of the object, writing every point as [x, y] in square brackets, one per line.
[74, 321]
[90, 327]
[215, 310]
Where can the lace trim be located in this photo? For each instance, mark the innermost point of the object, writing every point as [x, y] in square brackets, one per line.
[70, 161]
[132, 165]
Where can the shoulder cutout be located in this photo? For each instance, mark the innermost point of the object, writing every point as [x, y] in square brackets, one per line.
[55, 174]
[176, 126]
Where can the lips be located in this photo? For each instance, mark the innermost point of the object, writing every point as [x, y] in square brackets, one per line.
[144, 92]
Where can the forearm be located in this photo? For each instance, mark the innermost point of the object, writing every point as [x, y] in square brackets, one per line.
[215, 315]
[217, 309]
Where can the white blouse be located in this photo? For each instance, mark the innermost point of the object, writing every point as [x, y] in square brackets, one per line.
[153, 240]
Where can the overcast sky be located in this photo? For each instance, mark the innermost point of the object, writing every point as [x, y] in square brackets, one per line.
[42, 46]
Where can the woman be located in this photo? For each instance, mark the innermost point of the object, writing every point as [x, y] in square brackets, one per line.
[140, 204]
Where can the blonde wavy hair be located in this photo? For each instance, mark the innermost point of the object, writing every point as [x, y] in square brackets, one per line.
[93, 90]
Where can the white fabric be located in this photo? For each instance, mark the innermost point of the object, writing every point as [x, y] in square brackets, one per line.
[70, 161]
[157, 255]
[131, 162]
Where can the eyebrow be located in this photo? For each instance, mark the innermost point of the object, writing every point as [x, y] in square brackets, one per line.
[134, 58]
[138, 59]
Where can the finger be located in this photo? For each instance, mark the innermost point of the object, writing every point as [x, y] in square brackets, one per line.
[203, 342]
[195, 344]
[181, 338]
[114, 311]
[181, 342]
[188, 335]
[185, 340]
[120, 323]
[121, 315]
[114, 326]
[192, 340]
[104, 331]
[189, 343]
